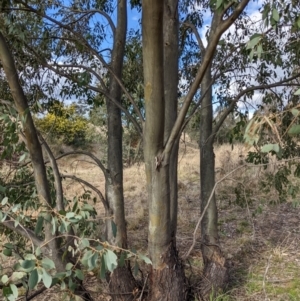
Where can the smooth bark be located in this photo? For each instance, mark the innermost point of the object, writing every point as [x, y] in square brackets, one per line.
[121, 280]
[33, 145]
[215, 273]
[166, 277]
[171, 53]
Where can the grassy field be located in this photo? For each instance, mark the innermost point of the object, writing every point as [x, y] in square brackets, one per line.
[260, 238]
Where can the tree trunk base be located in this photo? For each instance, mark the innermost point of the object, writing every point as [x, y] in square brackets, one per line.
[215, 275]
[168, 283]
[122, 285]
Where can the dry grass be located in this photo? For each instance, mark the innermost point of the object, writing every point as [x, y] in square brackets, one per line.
[260, 240]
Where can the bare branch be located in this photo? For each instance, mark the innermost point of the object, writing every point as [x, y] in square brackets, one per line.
[10, 224]
[282, 83]
[93, 11]
[57, 179]
[187, 254]
[196, 33]
[238, 10]
[93, 88]
[99, 163]
[103, 200]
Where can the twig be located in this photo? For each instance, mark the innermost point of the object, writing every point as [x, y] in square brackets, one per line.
[102, 198]
[187, 254]
[141, 296]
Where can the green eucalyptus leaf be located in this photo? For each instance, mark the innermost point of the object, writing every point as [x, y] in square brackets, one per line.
[297, 92]
[275, 15]
[7, 252]
[84, 243]
[14, 290]
[39, 225]
[22, 158]
[270, 147]
[48, 264]
[110, 260]
[7, 291]
[92, 262]
[295, 112]
[17, 276]
[255, 39]
[122, 259]
[4, 201]
[70, 214]
[145, 259]
[33, 279]
[4, 279]
[8, 245]
[79, 274]
[114, 228]
[136, 269]
[102, 268]
[71, 285]
[294, 130]
[28, 265]
[47, 279]
[69, 266]
[38, 251]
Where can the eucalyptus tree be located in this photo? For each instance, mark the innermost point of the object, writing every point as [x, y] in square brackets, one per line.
[68, 43]
[76, 27]
[157, 151]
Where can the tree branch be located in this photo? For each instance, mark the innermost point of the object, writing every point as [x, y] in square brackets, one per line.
[196, 33]
[231, 19]
[93, 88]
[32, 141]
[93, 157]
[207, 58]
[245, 91]
[57, 179]
[29, 234]
[93, 11]
[91, 49]
[103, 200]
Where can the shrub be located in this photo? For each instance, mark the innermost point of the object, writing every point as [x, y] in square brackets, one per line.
[64, 124]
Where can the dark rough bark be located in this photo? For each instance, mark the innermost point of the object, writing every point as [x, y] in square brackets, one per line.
[121, 280]
[168, 284]
[122, 285]
[215, 273]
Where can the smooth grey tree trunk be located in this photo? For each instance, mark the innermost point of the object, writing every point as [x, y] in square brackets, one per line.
[215, 273]
[166, 281]
[121, 280]
[171, 54]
